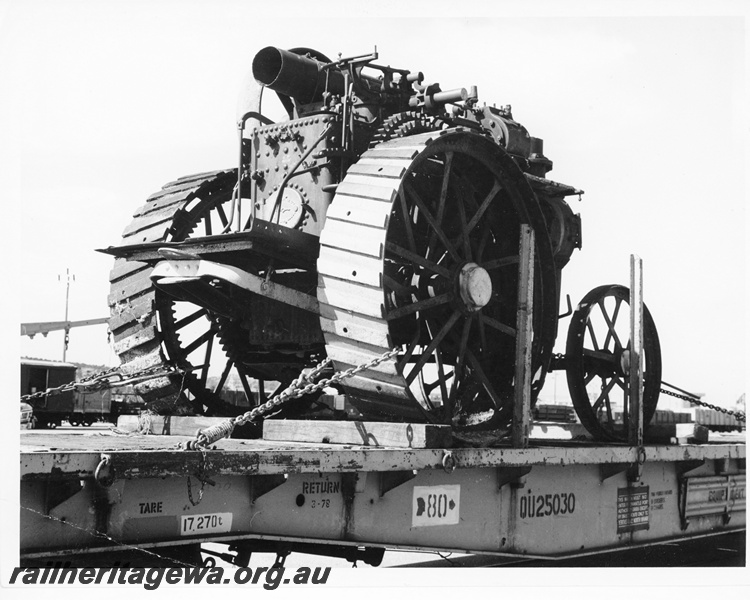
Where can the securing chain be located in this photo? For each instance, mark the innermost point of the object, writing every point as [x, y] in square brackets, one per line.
[107, 379]
[739, 415]
[202, 477]
[301, 386]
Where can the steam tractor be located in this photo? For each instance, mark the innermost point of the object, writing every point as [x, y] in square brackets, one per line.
[381, 213]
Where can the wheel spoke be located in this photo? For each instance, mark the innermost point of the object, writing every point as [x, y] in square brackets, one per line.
[199, 342]
[222, 215]
[444, 186]
[207, 361]
[224, 375]
[432, 345]
[495, 324]
[442, 377]
[590, 374]
[604, 398]
[462, 346]
[482, 334]
[590, 329]
[482, 208]
[207, 223]
[431, 220]
[442, 200]
[611, 333]
[482, 243]
[243, 380]
[480, 374]
[401, 290]
[407, 220]
[190, 318]
[419, 306]
[500, 262]
[418, 259]
[465, 231]
[410, 350]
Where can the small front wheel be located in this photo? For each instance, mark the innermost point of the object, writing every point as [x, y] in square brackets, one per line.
[598, 362]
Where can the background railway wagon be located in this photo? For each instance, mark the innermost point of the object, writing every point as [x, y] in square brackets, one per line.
[38, 375]
[91, 407]
[717, 421]
[714, 420]
[78, 407]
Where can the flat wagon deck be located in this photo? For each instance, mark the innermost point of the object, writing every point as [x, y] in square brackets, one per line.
[83, 494]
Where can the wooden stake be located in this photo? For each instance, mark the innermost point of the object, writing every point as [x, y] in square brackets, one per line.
[635, 374]
[524, 324]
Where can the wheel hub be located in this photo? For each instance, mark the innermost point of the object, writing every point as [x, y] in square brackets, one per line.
[624, 362]
[474, 286]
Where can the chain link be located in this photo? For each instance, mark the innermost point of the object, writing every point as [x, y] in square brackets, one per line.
[303, 385]
[106, 379]
[299, 387]
[739, 415]
[201, 476]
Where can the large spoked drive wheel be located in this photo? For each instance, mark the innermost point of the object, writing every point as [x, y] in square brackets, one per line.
[598, 362]
[445, 288]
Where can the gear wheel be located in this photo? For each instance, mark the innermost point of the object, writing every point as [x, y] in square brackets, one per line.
[405, 124]
[194, 325]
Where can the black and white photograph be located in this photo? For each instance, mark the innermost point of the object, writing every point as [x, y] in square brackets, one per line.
[304, 287]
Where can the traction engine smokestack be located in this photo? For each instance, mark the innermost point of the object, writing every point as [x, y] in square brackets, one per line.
[302, 78]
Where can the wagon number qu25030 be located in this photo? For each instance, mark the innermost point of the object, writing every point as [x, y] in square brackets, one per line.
[531, 505]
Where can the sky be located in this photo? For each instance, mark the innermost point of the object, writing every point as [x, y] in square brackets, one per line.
[642, 106]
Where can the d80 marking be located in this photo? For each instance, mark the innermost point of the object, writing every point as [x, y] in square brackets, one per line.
[435, 505]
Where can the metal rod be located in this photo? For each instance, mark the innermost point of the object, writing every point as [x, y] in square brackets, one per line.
[236, 212]
[67, 325]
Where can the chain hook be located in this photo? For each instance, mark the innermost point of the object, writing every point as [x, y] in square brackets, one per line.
[449, 461]
[102, 475]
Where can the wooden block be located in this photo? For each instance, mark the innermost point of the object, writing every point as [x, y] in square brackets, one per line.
[661, 433]
[558, 431]
[699, 434]
[339, 402]
[676, 433]
[361, 433]
[173, 425]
